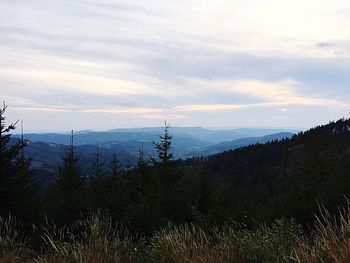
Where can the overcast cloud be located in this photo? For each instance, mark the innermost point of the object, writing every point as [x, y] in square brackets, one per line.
[103, 64]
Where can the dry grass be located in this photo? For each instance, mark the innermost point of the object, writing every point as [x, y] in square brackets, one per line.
[187, 243]
[330, 241]
[96, 239]
[13, 245]
[234, 244]
[264, 244]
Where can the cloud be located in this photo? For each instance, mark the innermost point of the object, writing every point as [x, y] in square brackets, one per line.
[123, 110]
[324, 44]
[90, 110]
[297, 102]
[87, 83]
[280, 94]
[172, 59]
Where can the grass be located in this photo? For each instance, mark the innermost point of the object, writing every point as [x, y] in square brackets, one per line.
[13, 243]
[330, 239]
[93, 239]
[97, 239]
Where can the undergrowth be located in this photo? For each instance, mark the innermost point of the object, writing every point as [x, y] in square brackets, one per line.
[96, 239]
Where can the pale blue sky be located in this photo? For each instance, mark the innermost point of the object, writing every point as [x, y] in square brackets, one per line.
[102, 64]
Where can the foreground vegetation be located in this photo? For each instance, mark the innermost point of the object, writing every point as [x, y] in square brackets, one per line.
[97, 239]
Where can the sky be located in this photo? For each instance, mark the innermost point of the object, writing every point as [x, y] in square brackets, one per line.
[104, 64]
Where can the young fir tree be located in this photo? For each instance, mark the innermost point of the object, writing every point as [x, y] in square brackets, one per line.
[141, 163]
[99, 183]
[65, 198]
[114, 168]
[97, 165]
[69, 177]
[140, 171]
[17, 187]
[163, 147]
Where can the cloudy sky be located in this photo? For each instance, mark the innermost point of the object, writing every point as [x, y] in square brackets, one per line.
[102, 64]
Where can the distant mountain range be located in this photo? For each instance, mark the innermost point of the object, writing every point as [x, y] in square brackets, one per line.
[195, 137]
[46, 150]
[186, 142]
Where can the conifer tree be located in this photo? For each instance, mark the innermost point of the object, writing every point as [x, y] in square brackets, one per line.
[141, 165]
[114, 167]
[17, 187]
[65, 198]
[128, 165]
[97, 165]
[69, 176]
[163, 147]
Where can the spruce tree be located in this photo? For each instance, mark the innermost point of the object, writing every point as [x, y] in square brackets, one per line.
[140, 171]
[17, 187]
[69, 177]
[65, 198]
[141, 163]
[114, 168]
[97, 165]
[163, 147]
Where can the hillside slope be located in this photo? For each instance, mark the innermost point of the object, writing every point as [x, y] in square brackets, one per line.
[286, 177]
[231, 145]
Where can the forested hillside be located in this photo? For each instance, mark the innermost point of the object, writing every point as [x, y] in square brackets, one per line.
[288, 177]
